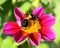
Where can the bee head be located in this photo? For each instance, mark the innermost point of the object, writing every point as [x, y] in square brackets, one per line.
[34, 17]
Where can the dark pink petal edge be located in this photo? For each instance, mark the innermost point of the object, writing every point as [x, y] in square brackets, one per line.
[47, 20]
[19, 15]
[10, 28]
[48, 34]
[35, 38]
[20, 36]
[39, 11]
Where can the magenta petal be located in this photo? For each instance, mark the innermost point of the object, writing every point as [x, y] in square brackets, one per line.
[35, 38]
[48, 33]
[11, 28]
[47, 20]
[38, 11]
[19, 15]
[20, 36]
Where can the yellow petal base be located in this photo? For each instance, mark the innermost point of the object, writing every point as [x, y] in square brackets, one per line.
[33, 26]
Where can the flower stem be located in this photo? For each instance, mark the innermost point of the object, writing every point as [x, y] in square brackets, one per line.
[30, 45]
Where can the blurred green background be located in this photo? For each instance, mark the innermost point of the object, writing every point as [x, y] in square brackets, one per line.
[27, 6]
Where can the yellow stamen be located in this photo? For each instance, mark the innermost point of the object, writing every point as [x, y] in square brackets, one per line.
[33, 26]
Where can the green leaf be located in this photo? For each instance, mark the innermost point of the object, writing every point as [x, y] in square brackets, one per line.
[35, 3]
[55, 1]
[57, 24]
[57, 31]
[7, 43]
[45, 1]
[1, 41]
[42, 45]
[2, 1]
[57, 11]
[25, 45]
[25, 7]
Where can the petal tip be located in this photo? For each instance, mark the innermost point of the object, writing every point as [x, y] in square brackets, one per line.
[38, 11]
[35, 39]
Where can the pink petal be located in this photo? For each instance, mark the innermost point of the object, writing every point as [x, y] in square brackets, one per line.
[38, 11]
[35, 38]
[19, 15]
[20, 36]
[48, 33]
[11, 28]
[47, 20]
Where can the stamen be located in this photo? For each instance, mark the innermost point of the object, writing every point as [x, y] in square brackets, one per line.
[32, 27]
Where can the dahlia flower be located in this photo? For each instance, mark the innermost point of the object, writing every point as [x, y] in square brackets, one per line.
[36, 26]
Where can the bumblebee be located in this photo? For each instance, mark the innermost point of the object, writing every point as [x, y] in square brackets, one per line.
[25, 22]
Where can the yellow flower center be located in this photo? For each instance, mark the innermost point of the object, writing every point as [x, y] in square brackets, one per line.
[33, 26]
